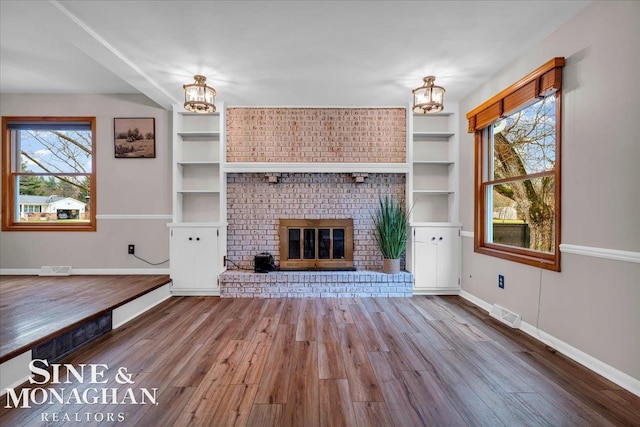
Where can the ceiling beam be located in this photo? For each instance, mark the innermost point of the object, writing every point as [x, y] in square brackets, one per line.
[96, 47]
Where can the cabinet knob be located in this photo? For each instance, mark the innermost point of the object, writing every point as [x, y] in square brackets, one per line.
[440, 238]
[190, 238]
[198, 239]
[433, 238]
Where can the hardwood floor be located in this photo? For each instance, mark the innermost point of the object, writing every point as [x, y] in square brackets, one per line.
[421, 361]
[35, 309]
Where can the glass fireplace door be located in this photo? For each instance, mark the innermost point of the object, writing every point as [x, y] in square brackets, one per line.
[316, 244]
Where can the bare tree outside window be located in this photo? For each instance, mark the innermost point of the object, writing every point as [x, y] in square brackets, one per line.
[524, 147]
[57, 153]
[518, 165]
[49, 174]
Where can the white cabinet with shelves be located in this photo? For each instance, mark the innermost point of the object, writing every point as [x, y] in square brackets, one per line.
[198, 230]
[433, 256]
[198, 148]
[436, 259]
[433, 176]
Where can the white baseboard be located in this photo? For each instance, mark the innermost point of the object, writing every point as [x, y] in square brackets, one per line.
[14, 371]
[189, 292]
[132, 309]
[477, 301]
[85, 271]
[609, 372]
[427, 291]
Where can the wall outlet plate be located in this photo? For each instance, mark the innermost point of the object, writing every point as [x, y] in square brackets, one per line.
[131, 250]
[500, 281]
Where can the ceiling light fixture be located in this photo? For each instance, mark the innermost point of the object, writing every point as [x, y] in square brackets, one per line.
[428, 98]
[198, 97]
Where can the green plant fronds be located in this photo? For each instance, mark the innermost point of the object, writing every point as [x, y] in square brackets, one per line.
[390, 227]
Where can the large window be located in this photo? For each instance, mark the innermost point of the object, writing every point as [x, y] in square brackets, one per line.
[517, 134]
[48, 173]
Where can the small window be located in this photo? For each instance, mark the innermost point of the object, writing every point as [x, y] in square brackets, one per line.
[518, 170]
[48, 176]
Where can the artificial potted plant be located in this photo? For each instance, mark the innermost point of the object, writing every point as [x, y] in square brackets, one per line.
[390, 222]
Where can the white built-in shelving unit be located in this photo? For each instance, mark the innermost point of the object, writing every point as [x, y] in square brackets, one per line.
[432, 191]
[433, 175]
[198, 229]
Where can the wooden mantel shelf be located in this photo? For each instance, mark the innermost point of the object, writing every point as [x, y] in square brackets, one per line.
[299, 167]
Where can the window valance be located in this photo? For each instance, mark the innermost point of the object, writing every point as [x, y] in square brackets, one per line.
[537, 84]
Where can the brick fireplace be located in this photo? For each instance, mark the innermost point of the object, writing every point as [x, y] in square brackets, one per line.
[273, 139]
[255, 207]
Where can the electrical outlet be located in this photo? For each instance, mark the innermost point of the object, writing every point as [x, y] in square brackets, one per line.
[500, 281]
[131, 250]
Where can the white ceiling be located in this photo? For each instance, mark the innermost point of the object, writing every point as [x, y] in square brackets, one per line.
[293, 53]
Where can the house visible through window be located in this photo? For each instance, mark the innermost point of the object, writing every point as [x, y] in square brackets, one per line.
[518, 170]
[48, 166]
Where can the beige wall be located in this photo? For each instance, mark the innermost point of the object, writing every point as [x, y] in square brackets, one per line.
[124, 187]
[593, 304]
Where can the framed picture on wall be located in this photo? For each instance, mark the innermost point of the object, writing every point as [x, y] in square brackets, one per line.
[134, 137]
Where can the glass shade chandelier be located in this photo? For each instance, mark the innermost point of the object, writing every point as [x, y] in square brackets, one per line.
[428, 98]
[198, 97]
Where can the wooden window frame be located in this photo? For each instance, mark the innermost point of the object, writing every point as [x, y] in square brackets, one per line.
[9, 222]
[543, 82]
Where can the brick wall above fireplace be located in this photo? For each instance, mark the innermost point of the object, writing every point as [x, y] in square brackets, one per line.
[316, 135]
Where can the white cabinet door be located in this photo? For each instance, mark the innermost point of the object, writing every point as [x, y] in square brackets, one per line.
[448, 262]
[437, 257]
[425, 258]
[194, 260]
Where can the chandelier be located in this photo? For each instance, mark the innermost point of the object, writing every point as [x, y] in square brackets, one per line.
[428, 98]
[198, 97]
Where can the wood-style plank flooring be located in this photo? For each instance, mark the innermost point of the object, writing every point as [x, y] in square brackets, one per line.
[421, 361]
[35, 309]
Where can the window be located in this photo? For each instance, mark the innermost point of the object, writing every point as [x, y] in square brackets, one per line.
[517, 179]
[48, 174]
[31, 208]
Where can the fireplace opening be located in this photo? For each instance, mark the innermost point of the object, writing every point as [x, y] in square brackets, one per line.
[316, 244]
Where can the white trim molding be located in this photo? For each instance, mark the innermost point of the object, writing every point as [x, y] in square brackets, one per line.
[613, 254]
[475, 300]
[191, 292]
[85, 271]
[134, 217]
[609, 372]
[14, 372]
[265, 167]
[132, 309]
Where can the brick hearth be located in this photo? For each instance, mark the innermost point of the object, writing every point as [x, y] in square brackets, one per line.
[288, 284]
